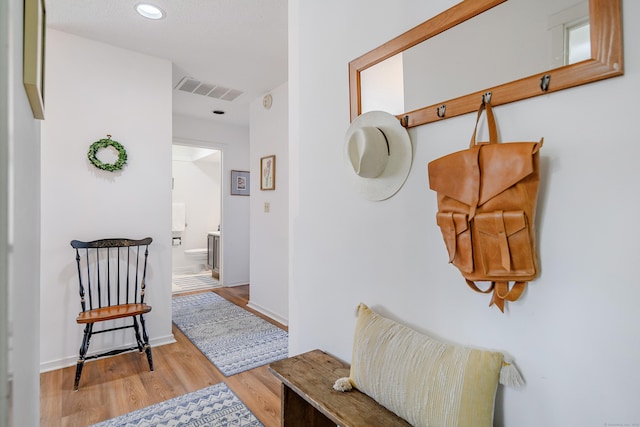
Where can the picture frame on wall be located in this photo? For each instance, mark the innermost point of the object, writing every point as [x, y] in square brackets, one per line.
[240, 183]
[268, 173]
[33, 52]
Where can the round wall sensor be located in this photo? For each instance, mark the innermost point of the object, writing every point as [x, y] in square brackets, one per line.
[267, 101]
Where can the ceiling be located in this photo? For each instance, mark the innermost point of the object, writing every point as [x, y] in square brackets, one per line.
[235, 44]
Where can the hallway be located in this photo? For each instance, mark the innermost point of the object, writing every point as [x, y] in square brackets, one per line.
[116, 385]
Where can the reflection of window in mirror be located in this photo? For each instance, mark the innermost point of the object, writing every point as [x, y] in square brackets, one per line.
[578, 43]
[570, 34]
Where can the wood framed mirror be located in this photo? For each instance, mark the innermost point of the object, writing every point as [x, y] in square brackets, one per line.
[604, 33]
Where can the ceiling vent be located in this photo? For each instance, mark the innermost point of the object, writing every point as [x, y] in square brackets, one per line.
[187, 84]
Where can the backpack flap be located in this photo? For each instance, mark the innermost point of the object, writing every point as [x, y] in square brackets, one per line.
[457, 176]
[503, 165]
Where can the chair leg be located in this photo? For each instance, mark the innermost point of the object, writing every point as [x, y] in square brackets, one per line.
[84, 347]
[136, 328]
[147, 347]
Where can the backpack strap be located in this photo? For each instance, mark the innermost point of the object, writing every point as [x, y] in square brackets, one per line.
[491, 123]
[501, 292]
[473, 286]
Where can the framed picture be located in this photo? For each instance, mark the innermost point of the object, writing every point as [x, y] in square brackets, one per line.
[33, 51]
[240, 183]
[268, 173]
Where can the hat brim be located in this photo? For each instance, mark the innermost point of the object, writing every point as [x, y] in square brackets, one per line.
[400, 156]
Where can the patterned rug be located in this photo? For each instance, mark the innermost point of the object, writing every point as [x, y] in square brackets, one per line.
[234, 339]
[214, 406]
[193, 282]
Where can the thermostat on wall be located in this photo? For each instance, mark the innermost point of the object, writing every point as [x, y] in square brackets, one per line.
[267, 101]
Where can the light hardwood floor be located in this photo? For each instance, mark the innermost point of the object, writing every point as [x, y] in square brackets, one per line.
[116, 385]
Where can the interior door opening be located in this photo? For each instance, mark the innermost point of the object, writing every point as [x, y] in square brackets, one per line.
[196, 217]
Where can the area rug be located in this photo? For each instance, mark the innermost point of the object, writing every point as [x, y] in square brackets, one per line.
[193, 282]
[214, 406]
[234, 339]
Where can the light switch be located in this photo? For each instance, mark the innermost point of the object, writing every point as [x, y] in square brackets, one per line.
[266, 207]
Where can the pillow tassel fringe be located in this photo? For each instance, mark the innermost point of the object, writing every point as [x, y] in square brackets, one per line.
[510, 376]
[343, 384]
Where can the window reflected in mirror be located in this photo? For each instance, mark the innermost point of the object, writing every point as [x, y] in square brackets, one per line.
[578, 46]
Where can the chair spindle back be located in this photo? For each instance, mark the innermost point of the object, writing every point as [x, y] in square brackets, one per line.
[111, 271]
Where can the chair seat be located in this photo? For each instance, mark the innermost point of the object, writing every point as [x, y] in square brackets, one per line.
[113, 312]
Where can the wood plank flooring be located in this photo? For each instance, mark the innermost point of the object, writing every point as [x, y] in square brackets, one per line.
[116, 385]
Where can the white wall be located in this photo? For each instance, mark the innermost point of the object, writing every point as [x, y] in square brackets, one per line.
[574, 333]
[234, 143]
[269, 230]
[197, 185]
[20, 229]
[94, 89]
[5, 54]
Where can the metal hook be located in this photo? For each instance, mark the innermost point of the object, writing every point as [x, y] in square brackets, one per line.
[544, 82]
[486, 98]
[440, 111]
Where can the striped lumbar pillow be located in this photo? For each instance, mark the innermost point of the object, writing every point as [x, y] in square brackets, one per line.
[424, 381]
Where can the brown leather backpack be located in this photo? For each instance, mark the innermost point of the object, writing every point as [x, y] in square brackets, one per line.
[486, 209]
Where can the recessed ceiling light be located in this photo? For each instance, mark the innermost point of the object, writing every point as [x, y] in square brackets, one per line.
[149, 11]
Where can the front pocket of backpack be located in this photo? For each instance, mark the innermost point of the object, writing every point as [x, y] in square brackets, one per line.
[503, 240]
[457, 238]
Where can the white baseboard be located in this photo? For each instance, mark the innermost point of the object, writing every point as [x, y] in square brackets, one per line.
[72, 360]
[231, 285]
[268, 313]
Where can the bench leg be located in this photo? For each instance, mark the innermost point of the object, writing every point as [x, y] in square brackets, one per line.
[297, 412]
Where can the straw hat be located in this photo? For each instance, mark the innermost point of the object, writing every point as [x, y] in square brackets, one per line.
[378, 151]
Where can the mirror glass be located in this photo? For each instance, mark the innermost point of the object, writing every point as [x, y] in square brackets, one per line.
[514, 49]
[515, 39]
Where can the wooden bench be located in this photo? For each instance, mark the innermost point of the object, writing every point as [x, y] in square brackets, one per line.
[309, 400]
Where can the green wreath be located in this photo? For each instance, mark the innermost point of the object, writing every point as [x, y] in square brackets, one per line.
[104, 143]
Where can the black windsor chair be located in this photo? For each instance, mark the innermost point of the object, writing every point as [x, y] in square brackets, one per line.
[112, 285]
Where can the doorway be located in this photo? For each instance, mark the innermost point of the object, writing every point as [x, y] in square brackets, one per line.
[196, 214]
